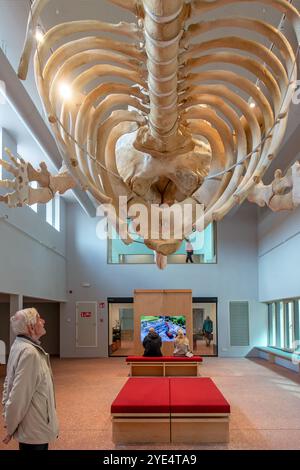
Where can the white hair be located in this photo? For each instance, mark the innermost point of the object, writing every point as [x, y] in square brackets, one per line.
[181, 339]
[22, 319]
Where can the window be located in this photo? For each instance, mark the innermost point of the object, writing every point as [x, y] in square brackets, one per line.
[49, 212]
[53, 213]
[272, 324]
[138, 253]
[284, 324]
[289, 326]
[281, 325]
[297, 324]
[57, 213]
[34, 185]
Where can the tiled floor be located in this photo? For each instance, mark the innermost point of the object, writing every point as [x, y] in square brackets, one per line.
[264, 398]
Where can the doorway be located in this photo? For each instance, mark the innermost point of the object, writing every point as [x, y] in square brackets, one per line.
[120, 326]
[205, 336]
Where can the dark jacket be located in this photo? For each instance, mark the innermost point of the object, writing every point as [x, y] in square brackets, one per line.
[208, 326]
[152, 344]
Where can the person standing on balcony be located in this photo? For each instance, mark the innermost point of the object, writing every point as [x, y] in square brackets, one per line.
[189, 251]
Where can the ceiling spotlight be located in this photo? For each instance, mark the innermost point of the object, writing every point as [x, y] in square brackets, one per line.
[65, 91]
[39, 35]
[252, 105]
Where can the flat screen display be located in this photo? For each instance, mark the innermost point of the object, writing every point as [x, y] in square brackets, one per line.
[166, 326]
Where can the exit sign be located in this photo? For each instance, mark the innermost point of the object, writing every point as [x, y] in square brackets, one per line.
[86, 314]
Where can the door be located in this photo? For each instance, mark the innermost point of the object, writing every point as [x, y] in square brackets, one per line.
[86, 325]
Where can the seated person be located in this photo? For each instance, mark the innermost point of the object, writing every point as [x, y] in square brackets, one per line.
[152, 344]
[181, 344]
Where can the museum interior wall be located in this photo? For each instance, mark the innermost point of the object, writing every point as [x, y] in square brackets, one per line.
[279, 255]
[258, 260]
[233, 278]
[32, 253]
[279, 233]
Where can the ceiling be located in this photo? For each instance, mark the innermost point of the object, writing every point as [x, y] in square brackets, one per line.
[13, 20]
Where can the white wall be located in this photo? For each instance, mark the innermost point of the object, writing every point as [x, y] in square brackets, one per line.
[234, 277]
[279, 233]
[32, 253]
[279, 255]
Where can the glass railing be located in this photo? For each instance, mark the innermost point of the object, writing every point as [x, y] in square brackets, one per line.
[204, 251]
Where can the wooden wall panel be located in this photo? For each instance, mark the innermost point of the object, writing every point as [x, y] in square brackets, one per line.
[162, 302]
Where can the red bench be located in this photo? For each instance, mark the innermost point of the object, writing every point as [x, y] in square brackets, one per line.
[186, 410]
[164, 366]
[141, 411]
[199, 411]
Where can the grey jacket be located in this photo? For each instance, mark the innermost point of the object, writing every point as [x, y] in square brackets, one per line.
[28, 394]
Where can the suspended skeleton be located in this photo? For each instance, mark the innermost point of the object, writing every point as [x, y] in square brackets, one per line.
[164, 131]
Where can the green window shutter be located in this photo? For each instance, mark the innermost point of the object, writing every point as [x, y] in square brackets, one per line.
[239, 323]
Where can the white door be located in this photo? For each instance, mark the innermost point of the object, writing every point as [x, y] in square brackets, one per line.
[86, 324]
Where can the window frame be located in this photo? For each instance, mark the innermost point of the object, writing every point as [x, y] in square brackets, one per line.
[285, 315]
[109, 253]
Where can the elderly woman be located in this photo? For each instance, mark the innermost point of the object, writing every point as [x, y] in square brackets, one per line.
[28, 394]
[181, 344]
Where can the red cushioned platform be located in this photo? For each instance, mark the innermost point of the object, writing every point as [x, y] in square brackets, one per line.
[164, 359]
[143, 395]
[196, 395]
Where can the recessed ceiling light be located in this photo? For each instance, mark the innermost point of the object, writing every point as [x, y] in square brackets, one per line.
[252, 105]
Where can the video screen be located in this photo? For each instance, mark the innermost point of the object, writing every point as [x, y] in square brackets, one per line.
[165, 326]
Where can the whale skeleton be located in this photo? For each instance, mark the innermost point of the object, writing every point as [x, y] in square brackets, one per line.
[162, 115]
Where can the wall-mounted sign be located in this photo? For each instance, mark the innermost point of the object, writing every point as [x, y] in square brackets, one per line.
[85, 314]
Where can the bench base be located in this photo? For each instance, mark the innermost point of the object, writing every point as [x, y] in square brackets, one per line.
[164, 369]
[144, 430]
[199, 430]
[279, 358]
[163, 410]
[189, 430]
